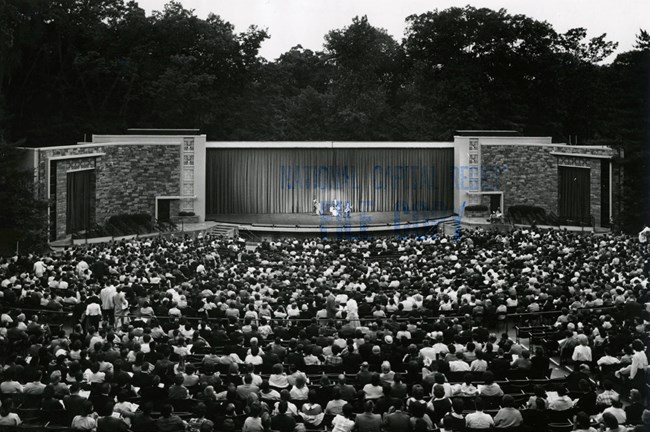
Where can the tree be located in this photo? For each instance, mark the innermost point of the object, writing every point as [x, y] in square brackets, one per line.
[23, 218]
[593, 51]
[642, 40]
[76, 67]
[367, 63]
[625, 99]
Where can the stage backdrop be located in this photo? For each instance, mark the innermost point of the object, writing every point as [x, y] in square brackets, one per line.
[288, 180]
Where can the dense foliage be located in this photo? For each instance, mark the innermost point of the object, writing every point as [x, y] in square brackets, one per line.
[22, 218]
[75, 67]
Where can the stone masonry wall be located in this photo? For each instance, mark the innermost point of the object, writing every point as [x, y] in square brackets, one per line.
[529, 174]
[127, 178]
[130, 177]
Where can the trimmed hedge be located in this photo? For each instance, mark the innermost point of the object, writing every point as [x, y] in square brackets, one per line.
[126, 224]
[527, 214]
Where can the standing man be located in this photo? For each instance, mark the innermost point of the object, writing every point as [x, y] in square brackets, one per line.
[330, 304]
[106, 295]
[92, 313]
[121, 306]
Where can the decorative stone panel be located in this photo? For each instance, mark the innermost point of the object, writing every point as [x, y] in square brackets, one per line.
[187, 189]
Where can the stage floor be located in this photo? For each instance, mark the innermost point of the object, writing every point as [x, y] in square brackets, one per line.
[305, 222]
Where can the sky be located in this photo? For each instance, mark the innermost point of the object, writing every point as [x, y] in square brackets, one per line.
[305, 22]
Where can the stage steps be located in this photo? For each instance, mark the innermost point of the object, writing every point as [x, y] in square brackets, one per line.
[227, 231]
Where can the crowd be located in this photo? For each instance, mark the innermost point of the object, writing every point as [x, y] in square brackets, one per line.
[205, 334]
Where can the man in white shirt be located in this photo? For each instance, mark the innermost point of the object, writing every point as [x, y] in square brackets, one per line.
[478, 419]
[94, 375]
[582, 352]
[35, 387]
[459, 365]
[106, 295]
[81, 267]
[39, 268]
[617, 411]
[559, 402]
[608, 358]
[427, 352]
[639, 361]
[439, 347]
[93, 314]
[10, 385]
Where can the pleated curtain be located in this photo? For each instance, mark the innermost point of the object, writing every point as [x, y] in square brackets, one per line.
[78, 200]
[255, 181]
[574, 187]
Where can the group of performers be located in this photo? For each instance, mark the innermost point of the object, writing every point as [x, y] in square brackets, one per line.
[334, 209]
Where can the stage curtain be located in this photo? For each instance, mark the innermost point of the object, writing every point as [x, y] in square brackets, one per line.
[574, 186]
[78, 200]
[288, 180]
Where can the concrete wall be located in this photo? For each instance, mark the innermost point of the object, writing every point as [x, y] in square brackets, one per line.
[199, 176]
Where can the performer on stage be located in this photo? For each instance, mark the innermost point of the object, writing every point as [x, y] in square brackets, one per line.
[335, 209]
[317, 208]
[347, 209]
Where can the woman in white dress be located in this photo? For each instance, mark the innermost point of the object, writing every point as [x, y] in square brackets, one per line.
[352, 309]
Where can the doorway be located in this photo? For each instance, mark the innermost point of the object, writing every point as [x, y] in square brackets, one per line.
[573, 195]
[164, 214]
[80, 185]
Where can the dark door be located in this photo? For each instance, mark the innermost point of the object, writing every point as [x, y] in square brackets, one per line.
[495, 203]
[79, 188]
[163, 210]
[573, 194]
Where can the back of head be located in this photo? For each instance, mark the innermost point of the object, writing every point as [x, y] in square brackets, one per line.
[7, 406]
[417, 409]
[582, 420]
[420, 425]
[610, 420]
[166, 410]
[458, 405]
[178, 379]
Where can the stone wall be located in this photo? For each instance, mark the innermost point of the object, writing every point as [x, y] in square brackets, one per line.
[130, 177]
[127, 178]
[528, 174]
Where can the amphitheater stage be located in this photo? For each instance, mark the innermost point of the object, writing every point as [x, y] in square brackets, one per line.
[357, 225]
